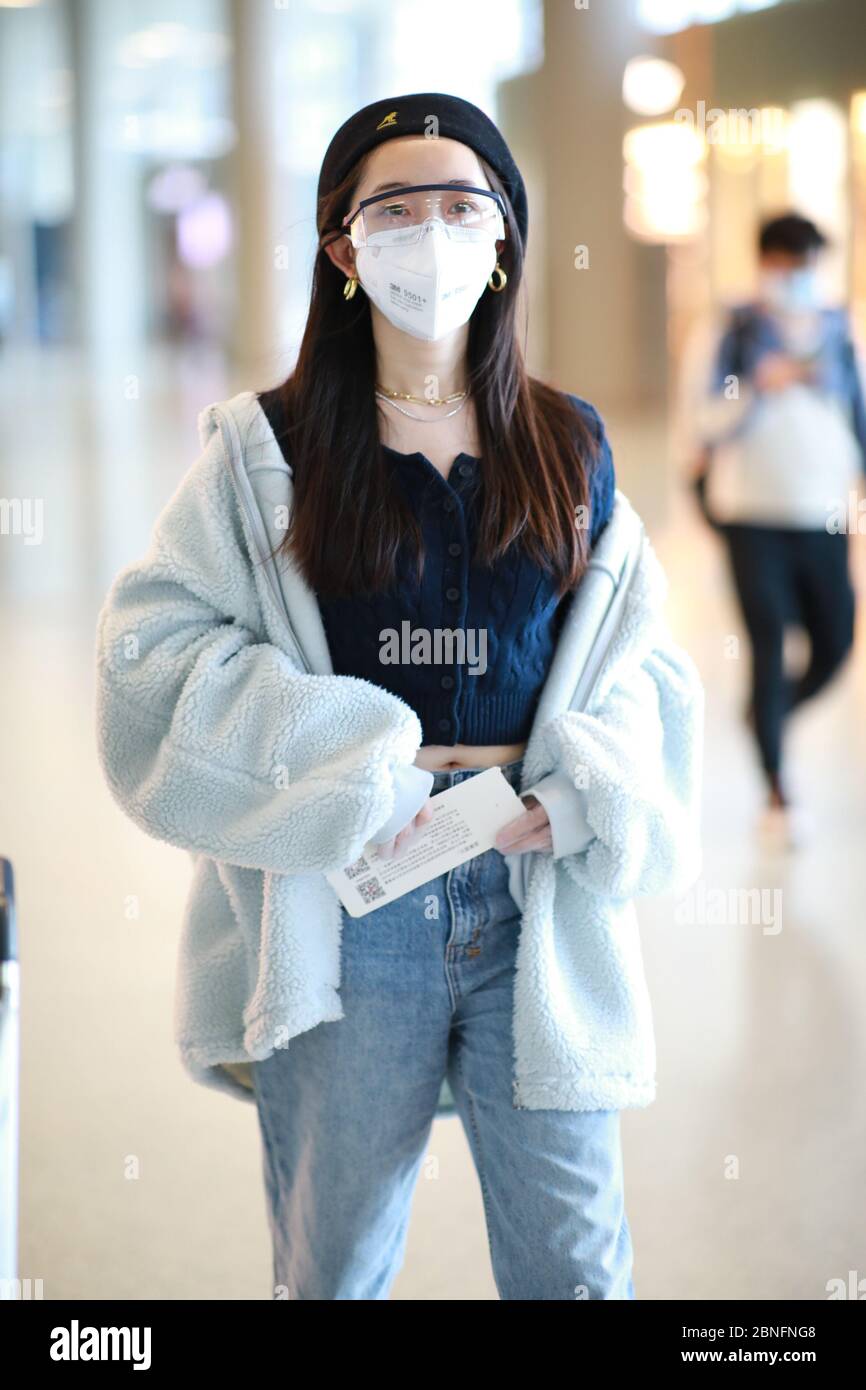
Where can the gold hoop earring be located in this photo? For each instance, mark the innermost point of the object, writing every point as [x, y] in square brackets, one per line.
[503, 279]
[350, 287]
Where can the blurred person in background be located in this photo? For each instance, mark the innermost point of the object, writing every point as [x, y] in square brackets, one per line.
[409, 431]
[772, 404]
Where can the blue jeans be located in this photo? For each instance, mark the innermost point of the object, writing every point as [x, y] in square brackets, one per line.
[346, 1109]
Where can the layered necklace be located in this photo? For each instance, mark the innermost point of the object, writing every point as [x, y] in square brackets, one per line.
[392, 397]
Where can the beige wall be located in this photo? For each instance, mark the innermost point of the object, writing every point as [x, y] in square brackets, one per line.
[810, 48]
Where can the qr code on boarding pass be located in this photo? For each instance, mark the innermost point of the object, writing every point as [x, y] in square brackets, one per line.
[370, 889]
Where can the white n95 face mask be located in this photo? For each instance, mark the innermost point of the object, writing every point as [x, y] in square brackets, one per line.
[428, 287]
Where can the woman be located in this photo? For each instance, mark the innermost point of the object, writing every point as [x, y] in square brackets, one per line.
[248, 713]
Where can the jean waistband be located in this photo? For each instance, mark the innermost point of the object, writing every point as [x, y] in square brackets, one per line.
[450, 777]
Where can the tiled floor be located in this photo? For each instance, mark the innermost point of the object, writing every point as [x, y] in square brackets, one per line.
[744, 1179]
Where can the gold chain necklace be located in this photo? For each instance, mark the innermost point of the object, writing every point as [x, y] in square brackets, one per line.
[421, 400]
[425, 420]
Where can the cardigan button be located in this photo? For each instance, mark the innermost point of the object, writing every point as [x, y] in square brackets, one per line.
[447, 682]
[444, 725]
[455, 548]
[465, 469]
[452, 594]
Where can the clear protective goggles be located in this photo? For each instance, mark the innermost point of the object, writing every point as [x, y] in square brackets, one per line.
[399, 216]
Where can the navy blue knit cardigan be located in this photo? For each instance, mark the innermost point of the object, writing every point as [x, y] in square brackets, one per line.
[482, 685]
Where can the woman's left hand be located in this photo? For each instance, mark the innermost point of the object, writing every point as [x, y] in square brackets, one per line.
[532, 830]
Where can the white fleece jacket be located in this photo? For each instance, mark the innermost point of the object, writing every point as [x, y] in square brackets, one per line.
[223, 730]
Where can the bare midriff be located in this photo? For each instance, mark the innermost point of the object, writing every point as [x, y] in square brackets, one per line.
[437, 757]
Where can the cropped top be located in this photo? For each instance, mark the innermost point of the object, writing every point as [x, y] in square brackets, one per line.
[468, 649]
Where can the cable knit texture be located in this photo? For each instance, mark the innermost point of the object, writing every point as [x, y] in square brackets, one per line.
[486, 694]
[223, 729]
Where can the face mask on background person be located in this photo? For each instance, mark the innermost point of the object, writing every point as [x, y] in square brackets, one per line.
[428, 287]
[794, 298]
[790, 291]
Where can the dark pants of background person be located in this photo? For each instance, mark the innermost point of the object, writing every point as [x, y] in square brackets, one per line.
[789, 576]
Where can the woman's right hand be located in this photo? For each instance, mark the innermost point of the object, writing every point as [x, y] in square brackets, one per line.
[389, 849]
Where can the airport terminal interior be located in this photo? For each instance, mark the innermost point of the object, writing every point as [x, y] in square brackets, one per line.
[157, 234]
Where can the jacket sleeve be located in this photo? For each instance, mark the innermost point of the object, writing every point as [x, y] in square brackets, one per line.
[723, 398]
[413, 785]
[626, 787]
[215, 739]
[565, 804]
[854, 359]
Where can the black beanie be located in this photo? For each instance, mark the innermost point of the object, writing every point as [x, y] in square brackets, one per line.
[410, 115]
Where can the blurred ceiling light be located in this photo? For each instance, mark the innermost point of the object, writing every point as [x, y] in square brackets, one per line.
[651, 146]
[663, 218]
[651, 86]
[858, 113]
[665, 186]
[204, 232]
[162, 43]
[175, 188]
[818, 182]
[817, 161]
[18, 4]
[857, 116]
[818, 139]
[497, 39]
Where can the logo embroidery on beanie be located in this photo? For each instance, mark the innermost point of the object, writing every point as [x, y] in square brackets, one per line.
[390, 119]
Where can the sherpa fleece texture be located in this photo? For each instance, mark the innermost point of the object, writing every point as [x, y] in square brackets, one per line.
[216, 737]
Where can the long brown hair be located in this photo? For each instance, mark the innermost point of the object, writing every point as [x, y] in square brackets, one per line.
[348, 520]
